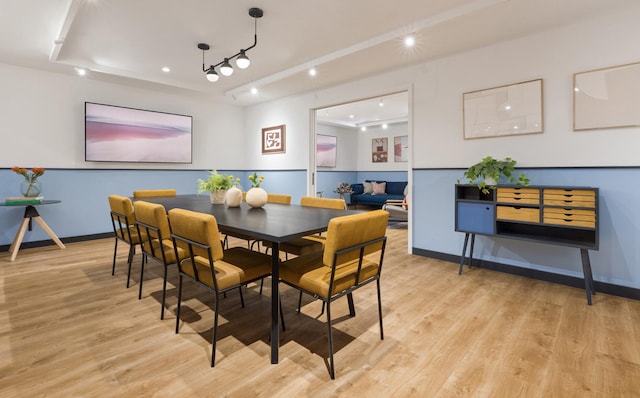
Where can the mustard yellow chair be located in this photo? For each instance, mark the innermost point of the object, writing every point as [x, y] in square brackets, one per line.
[146, 193]
[208, 264]
[123, 221]
[346, 264]
[153, 225]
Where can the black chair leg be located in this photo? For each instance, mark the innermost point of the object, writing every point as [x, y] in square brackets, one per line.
[214, 333]
[241, 297]
[261, 285]
[380, 310]
[179, 302]
[352, 307]
[129, 261]
[115, 252]
[300, 302]
[330, 331]
[141, 278]
[164, 292]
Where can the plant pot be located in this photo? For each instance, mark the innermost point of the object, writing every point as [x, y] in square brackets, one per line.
[490, 181]
[217, 197]
[233, 197]
[256, 197]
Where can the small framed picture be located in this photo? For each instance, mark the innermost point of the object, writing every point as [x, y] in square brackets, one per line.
[379, 150]
[274, 139]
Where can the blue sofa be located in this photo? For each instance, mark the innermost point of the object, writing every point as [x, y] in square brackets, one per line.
[394, 190]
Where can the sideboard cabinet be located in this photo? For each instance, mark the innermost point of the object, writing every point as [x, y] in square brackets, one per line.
[556, 215]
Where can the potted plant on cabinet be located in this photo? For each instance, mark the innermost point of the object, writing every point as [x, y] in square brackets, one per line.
[486, 173]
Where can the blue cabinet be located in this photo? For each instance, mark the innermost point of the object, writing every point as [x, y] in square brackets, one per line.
[478, 218]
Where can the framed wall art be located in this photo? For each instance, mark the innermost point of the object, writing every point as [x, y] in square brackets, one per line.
[379, 150]
[326, 150]
[506, 110]
[607, 98]
[401, 148]
[274, 139]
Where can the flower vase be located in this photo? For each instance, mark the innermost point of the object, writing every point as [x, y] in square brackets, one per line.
[30, 189]
[256, 197]
[233, 197]
[217, 197]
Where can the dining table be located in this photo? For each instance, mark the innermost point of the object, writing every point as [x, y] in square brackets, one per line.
[275, 223]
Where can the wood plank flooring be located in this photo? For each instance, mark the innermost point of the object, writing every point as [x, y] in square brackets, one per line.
[68, 328]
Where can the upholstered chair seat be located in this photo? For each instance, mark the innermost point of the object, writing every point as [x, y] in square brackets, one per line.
[347, 262]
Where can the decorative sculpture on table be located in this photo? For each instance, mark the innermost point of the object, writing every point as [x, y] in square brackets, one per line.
[256, 196]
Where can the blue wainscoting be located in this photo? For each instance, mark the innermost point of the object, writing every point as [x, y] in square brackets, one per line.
[85, 210]
[617, 262]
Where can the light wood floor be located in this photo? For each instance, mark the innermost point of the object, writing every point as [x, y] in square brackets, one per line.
[70, 329]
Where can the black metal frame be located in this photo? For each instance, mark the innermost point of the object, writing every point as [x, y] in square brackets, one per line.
[120, 223]
[326, 301]
[150, 231]
[215, 289]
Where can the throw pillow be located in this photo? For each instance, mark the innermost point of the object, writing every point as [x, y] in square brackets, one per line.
[378, 188]
[368, 188]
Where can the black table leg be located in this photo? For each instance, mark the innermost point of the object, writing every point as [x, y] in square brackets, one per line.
[275, 300]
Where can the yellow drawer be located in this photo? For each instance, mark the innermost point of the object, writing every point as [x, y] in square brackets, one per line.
[570, 222]
[527, 196]
[570, 197]
[518, 213]
[557, 212]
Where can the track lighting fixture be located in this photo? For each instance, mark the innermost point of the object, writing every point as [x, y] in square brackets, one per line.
[242, 61]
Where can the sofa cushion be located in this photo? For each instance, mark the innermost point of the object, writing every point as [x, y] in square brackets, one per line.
[368, 188]
[396, 187]
[378, 188]
[358, 189]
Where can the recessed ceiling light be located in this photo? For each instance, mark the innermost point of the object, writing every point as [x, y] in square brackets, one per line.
[363, 128]
[409, 41]
[313, 72]
[381, 103]
[166, 69]
[254, 90]
[81, 71]
[385, 126]
[351, 116]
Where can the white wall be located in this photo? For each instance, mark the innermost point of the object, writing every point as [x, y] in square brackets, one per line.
[347, 142]
[437, 88]
[364, 148]
[43, 121]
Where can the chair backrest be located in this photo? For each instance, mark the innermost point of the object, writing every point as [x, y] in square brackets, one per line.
[122, 205]
[122, 217]
[154, 215]
[197, 227]
[280, 198]
[326, 203]
[353, 230]
[145, 193]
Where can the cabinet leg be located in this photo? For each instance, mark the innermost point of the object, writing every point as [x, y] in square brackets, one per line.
[464, 251]
[588, 276]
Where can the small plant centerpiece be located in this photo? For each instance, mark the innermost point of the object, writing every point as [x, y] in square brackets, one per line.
[256, 196]
[30, 187]
[486, 173]
[217, 186]
[343, 188]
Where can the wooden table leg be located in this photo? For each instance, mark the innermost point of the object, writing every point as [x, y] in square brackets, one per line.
[17, 241]
[48, 230]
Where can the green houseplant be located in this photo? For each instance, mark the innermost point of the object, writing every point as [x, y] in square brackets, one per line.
[217, 185]
[486, 173]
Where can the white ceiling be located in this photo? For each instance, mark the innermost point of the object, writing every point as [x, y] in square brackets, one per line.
[129, 41]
